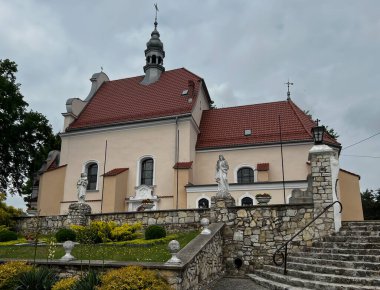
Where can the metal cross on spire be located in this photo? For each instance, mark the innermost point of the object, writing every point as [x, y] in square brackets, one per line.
[155, 19]
[289, 84]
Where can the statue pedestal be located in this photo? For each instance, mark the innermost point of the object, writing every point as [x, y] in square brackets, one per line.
[78, 214]
[222, 202]
[219, 211]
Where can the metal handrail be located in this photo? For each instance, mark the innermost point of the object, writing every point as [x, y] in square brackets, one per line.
[284, 255]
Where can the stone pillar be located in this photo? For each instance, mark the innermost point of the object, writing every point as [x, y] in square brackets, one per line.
[320, 157]
[78, 214]
[219, 211]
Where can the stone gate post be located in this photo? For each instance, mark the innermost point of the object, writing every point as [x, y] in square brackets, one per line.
[324, 170]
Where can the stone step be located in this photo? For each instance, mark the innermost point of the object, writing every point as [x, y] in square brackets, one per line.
[355, 223]
[350, 233]
[273, 285]
[335, 263]
[329, 269]
[347, 245]
[371, 259]
[323, 277]
[352, 239]
[374, 227]
[343, 251]
[296, 282]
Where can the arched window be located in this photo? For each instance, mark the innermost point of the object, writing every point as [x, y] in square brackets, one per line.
[147, 172]
[159, 60]
[203, 203]
[245, 175]
[148, 59]
[247, 201]
[153, 59]
[92, 176]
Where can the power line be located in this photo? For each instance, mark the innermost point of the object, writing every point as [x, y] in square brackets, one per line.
[361, 141]
[364, 156]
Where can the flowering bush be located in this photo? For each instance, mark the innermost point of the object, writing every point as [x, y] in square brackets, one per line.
[125, 232]
[100, 231]
[147, 200]
[133, 278]
[65, 283]
[10, 271]
[263, 195]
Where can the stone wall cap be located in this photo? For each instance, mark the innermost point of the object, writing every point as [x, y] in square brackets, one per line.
[320, 149]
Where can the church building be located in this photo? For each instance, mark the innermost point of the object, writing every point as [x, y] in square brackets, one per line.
[157, 137]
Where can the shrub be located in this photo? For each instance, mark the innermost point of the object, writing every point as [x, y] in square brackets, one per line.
[66, 283]
[103, 229]
[125, 232]
[132, 278]
[36, 279]
[155, 232]
[63, 235]
[7, 235]
[8, 213]
[88, 282]
[86, 235]
[10, 271]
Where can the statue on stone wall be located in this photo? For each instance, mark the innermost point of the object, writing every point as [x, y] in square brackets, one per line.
[82, 187]
[221, 177]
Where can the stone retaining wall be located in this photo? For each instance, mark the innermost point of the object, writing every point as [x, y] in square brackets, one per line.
[174, 220]
[202, 263]
[252, 234]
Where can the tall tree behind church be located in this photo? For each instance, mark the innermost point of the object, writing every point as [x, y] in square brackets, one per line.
[25, 135]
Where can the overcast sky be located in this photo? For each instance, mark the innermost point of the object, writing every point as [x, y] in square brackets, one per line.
[245, 51]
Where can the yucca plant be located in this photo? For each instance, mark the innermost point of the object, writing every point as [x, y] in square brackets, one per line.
[87, 282]
[40, 278]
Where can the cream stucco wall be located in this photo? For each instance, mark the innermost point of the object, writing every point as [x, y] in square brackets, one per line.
[276, 194]
[115, 192]
[201, 104]
[349, 192]
[50, 191]
[295, 158]
[125, 148]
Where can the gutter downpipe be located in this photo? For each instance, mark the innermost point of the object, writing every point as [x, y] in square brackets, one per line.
[176, 156]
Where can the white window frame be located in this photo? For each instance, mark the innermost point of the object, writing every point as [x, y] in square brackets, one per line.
[247, 194]
[242, 166]
[85, 170]
[138, 172]
[203, 197]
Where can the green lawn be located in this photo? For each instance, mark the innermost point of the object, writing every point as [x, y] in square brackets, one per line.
[155, 253]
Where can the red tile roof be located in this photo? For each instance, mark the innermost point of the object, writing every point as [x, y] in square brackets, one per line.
[115, 171]
[183, 165]
[126, 100]
[222, 128]
[262, 166]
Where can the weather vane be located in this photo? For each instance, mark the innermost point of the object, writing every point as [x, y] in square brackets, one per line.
[289, 84]
[317, 121]
[155, 19]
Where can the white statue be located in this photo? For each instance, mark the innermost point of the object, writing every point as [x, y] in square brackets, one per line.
[221, 177]
[82, 187]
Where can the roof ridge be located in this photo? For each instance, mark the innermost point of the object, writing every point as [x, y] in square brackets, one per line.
[248, 105]
[293, 106]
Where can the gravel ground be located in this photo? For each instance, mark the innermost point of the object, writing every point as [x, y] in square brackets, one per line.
[227, 283]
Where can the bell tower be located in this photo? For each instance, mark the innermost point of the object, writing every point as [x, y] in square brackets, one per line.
[154, 56]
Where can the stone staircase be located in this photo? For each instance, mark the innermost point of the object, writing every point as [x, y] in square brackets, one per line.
[349, 259]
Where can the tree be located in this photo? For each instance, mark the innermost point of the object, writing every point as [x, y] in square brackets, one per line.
[24, 135]
[330, 131]
[371, 204]
[7, 213]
